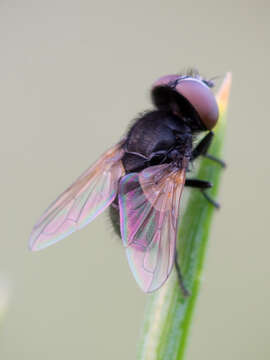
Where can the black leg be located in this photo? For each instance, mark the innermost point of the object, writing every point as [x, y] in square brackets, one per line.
[199, 184]
[202, 148]
[211, 157]
[185, 292]
[202, 185]
[209, 199]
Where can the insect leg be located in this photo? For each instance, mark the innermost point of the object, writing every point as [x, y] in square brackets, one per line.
[202, 148]
[180, 277]
[209, 199]
[219, 161]
[202, 185]
[197, 183]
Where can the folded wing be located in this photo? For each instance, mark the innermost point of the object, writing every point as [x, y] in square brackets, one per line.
[149, 206]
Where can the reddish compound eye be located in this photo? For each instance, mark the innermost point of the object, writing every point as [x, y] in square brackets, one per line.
[201, 98]
[197, 93]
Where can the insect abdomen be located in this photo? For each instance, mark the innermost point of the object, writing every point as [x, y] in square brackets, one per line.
[115, 217]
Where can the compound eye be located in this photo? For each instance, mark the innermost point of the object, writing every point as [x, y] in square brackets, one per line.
[201, 98]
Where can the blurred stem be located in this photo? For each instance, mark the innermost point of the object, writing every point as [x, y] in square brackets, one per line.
[4, 299]
[168, 314]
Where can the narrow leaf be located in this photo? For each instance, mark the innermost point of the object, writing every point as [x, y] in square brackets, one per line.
[168, 314]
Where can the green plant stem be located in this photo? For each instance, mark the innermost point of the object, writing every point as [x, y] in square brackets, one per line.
[168, 314]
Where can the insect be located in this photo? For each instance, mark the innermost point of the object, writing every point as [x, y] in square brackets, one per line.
[141, 180]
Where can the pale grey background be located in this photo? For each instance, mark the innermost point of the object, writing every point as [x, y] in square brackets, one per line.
[72, 75]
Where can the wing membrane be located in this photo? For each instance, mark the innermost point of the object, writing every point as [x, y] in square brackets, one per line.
[149, 205]
[82, 202]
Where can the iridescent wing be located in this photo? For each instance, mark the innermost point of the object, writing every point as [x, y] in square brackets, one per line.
[149, 206]
[82, 202]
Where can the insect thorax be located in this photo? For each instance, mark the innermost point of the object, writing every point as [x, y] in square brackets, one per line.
[155, 138]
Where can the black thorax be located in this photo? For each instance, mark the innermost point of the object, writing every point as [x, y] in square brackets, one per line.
[155, 138]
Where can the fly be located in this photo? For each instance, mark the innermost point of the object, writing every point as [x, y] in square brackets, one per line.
[141, 180]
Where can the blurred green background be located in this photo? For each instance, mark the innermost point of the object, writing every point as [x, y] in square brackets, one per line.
[72, 76]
